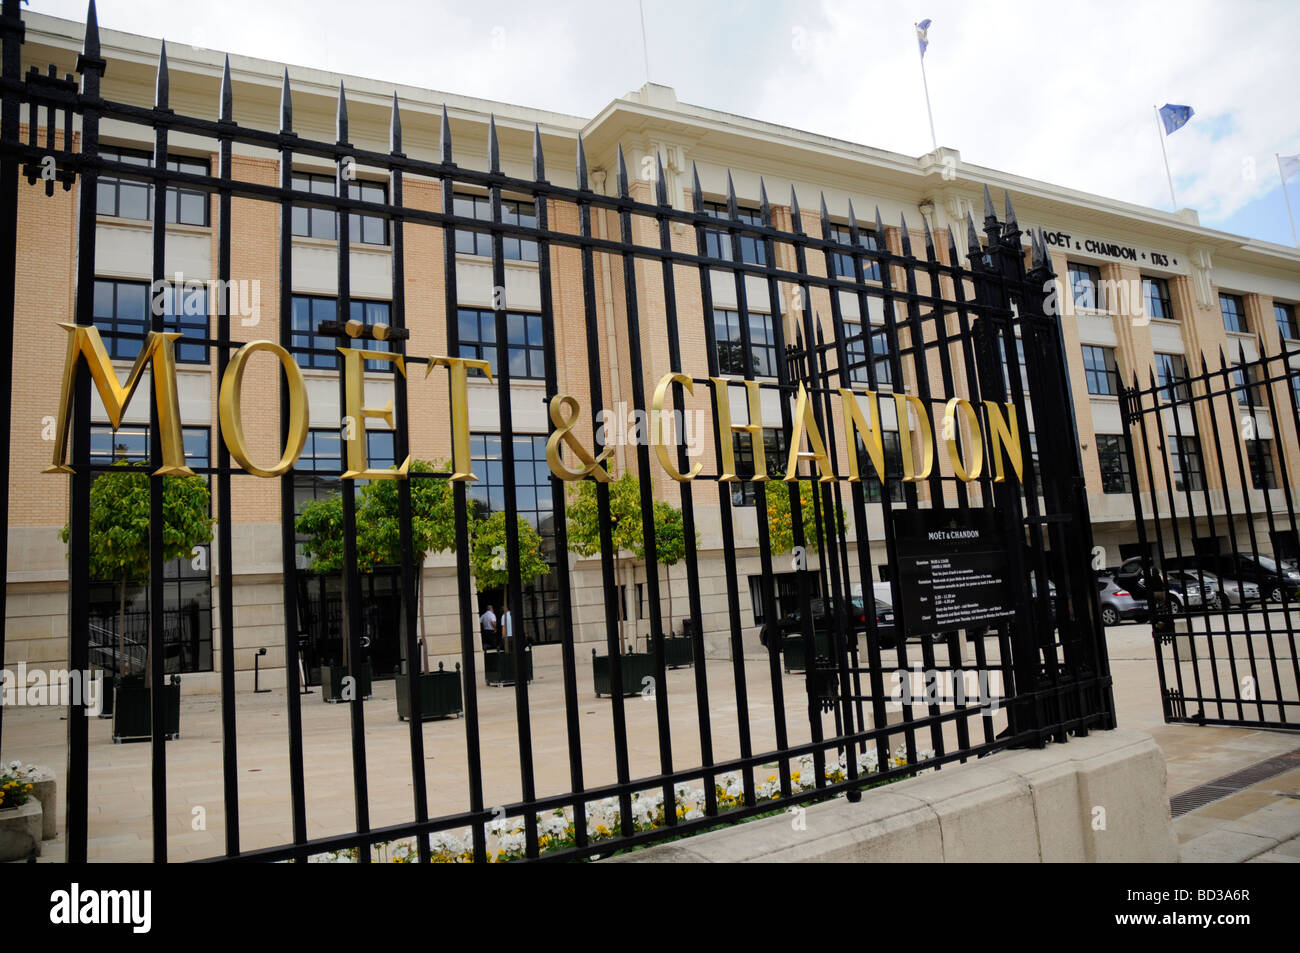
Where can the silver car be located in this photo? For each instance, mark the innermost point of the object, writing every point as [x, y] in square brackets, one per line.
[1233, 592]
[1191, 589]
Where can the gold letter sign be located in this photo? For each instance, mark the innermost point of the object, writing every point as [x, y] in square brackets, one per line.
[84, 340]
[564, 414]
[232, 417]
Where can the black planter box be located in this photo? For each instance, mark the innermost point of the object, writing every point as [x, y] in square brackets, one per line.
[132, 715]
[440, 694]
[679, 652]
[109, 689]
[499, 666]
[331, 682]
[635, 667]
[792, 647]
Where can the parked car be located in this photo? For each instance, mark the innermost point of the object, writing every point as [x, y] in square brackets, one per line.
[1119, 604]
[823, 615]
[1263, 571]
[1233, 592]
[1189, 589]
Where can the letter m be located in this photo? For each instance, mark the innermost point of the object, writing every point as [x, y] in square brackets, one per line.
[84, 341]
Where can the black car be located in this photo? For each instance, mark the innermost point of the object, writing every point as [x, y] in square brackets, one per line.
[1264, 571]
[823, 617]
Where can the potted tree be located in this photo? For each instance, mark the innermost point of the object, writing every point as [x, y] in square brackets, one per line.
[491, 571]
[119, 550]
[628, 535]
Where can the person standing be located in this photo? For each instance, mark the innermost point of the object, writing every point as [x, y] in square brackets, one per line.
[507, 627]
[487, 624]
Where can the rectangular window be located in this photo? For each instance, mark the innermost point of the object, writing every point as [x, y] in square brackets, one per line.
[1171, 370]
[856, 349]
[1155, 292]
[1285, 315]
[316, 475]
[128, 198]
[122, 312]
[777, 451]
[525, 351]
[1085, 285]
[1234, 313]
[786, 593]
[535, 502]
[323, 222]
[1115, 474]
[187, 592]
[313, 349]
[1185, 462]
[842, 262]
[717, 242]
[1262, 474]
[871, 485]
[1020, 359]
[513, 212]
[1100, 370]
[1246, 377]
[731, 352]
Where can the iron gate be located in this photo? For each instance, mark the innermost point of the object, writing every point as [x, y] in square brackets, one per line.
[1216, 522]
[949, 325]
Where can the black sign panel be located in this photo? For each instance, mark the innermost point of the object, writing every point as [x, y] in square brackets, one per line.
[952, 570]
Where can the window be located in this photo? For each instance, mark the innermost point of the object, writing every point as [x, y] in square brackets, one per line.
[1085, 282]
[128, 198]
[1155, 292]
[1295, 385]
[525, 352]
[717, 242]
[893, 468]
[1115, 474]
[1260, 454]
[313, 349]
[842, 263]
[323, 222]
[513, 212]
[1285, 315]
[535, 503]
[777, 451]
[1171, 370]
[1185, 461]
[731, 353]
[122, 314]
[1234, 313]
[1100, 370]
[1020, 359]
[1246, 377]
[856, 350]
[187, 592]
[786, 593]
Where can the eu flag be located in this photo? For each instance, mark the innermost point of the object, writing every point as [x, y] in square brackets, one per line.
[1175, 117]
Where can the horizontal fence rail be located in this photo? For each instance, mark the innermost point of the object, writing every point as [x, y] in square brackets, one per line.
[935, 323]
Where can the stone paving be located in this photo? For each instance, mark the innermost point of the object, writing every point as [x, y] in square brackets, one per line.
[1260, 823]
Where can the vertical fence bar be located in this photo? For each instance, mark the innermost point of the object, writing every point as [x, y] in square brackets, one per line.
[225, 547]
[288, 536]
[464, 591]
[11, 57]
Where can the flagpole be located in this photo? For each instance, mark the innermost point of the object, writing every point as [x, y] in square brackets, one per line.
[1278, 157]
[1161, 130]
[934, 142]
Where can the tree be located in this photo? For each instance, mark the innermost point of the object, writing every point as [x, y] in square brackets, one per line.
[780, 523]
[119, 528]
[488, 554]
[378, 539]
[626, 527]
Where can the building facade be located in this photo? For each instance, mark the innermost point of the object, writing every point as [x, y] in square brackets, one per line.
[1142, 292]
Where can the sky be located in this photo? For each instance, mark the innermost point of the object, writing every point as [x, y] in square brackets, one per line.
[1052, 91]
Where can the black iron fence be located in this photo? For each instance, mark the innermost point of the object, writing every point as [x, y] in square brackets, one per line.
[948, 320]
[1216, 522]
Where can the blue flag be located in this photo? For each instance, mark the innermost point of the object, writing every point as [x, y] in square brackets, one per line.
[1175, 117]
[922, 36]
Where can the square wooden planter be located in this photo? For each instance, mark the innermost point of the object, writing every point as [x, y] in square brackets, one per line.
[440, 694]
[132, 714]
[331, 682]
[499, 666]
[634, 668]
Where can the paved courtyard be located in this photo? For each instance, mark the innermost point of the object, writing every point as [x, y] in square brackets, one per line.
[1260, 822]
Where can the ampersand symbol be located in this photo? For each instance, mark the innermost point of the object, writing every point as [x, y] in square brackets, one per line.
[564, 415]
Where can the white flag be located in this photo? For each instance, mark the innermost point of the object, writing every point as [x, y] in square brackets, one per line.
[1289, 165]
